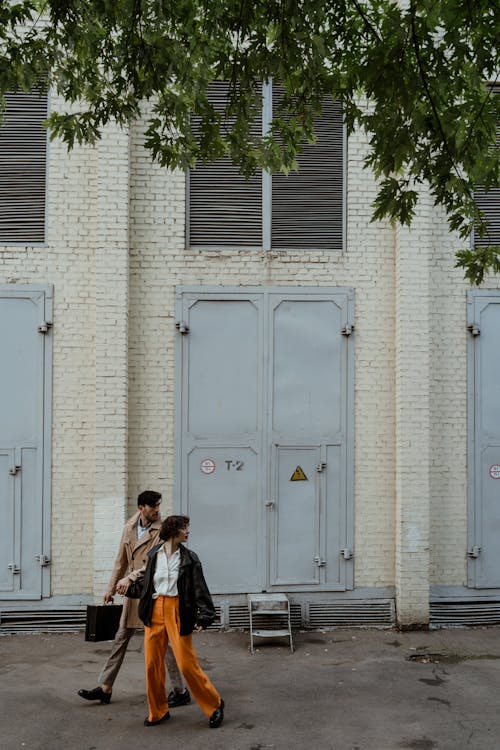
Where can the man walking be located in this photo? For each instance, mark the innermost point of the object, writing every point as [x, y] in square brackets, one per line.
[140, 534]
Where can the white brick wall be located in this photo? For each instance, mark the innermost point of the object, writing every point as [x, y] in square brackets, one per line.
[115, 253]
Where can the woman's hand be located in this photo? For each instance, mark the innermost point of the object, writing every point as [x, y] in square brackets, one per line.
[198, 628]
[122, 586]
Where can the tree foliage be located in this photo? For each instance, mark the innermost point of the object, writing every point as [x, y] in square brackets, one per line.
[414, 75]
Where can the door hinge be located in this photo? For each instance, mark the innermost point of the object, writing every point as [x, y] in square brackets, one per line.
[320, 562]
[347, 329]
[474, 329]
[45, 326]
[474, 552]
[182, 327]
[14, 470]
[321, 466]
[14, 568]
[42, 560]
[347, 553]
[269, 504]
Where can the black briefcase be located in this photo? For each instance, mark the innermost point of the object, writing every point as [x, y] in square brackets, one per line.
[102, 621]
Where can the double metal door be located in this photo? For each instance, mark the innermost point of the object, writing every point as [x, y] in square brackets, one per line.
[264, 435]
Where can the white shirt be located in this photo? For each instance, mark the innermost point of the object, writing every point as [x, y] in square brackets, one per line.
[166, 573]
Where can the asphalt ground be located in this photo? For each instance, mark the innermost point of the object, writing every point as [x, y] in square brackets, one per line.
[340, 690]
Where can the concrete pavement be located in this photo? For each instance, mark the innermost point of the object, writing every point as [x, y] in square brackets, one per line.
[340, 690]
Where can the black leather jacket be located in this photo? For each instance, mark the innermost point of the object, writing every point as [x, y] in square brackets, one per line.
[195, 603]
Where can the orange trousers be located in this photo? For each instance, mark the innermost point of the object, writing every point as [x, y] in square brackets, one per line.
[165, 627]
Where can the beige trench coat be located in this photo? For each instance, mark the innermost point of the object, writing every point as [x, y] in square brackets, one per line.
[131, 557]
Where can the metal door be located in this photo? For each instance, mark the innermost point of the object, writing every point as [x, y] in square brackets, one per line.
[484, 439]
[25, 320]
[264, 436]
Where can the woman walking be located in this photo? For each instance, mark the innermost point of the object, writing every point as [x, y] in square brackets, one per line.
[174, 601]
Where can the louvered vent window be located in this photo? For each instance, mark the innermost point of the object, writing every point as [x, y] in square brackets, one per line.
[23, 153]
[489, 203]
[304, 210]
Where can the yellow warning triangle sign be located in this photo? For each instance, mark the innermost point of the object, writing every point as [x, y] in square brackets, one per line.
[298, 475]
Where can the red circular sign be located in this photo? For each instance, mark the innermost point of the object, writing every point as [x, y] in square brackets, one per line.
[207, 466]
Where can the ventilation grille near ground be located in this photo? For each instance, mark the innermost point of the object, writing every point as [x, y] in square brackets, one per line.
[42, 621]
[239, 617]
[217, 622]
[331, 614]
[460, 613]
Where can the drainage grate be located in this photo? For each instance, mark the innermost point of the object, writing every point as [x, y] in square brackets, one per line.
[42, 621]
[352, 613]
[464, 613]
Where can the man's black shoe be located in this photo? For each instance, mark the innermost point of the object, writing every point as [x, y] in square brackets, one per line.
[178, 699]
[148, 723]
[217, 717]
[97, 694]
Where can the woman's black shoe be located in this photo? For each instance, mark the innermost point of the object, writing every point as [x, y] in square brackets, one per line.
[97, 694]
[217, 717]
[148, 723]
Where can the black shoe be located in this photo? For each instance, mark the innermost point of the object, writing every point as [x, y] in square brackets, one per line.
[178, 699]
[97, 694]
[217, 717]
[148, 723]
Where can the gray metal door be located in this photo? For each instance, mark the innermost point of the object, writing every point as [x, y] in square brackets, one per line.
[264, 436]
[484, 439]
[25, 319]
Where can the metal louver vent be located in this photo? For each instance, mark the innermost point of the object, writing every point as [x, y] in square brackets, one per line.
[240, 618]
[352, 613]
[307, 206]
[225, 208]
[42, 621]
[23, 153]
[464, 613]
[489, 203]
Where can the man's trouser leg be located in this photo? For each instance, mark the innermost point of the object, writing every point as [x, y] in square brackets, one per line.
[115, 659]
[176, 681]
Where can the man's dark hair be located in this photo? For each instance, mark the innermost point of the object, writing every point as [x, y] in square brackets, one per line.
[172, 525]
[148, 497]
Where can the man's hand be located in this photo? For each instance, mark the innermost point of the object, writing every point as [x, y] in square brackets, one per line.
[108, 597]
[198, 628]
[122, 586]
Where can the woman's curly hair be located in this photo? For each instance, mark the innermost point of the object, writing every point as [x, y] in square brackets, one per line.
[172, 525]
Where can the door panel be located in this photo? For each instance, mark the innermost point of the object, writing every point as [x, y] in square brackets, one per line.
[220, 499]
[306, 373]
[8, 581]
[295, 542]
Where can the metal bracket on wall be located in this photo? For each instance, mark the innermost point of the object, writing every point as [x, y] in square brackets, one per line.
[474, 552]
[347, 329]
[14, 470]
[43, 560]
[45, 326]
[14, 568]
[182, 327]
[347, 553]
[474, 329]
